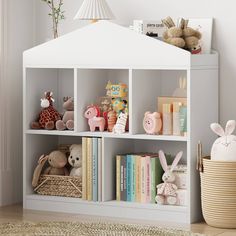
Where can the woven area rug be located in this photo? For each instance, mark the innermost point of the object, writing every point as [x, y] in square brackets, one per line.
[87, 229]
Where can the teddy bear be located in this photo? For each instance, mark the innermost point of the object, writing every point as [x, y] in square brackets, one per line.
[67, 121]
[57, 161]
[173, 35]
[75, 160]
[182, 36]
[152, 122]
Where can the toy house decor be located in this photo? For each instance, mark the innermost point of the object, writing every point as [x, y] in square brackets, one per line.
[78, 66]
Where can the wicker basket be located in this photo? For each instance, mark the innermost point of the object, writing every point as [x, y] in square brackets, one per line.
[218, 184]
[56, 185]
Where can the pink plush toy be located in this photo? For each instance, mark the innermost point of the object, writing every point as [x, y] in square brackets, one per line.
[152, 122]
[67, 121]
[92, 114]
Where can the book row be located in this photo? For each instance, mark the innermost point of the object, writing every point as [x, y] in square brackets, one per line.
[137, 177]
[91, 169]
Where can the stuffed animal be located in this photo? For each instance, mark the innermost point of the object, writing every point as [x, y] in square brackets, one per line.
[191, 37]
[67, 121]
[120, 125]
[166, 192]
[119, 105]
[57, 161]
[92, 113]
[224, 148]
[152, 122]
[75, 160]
[173, 35]
[48, 116]
[182, 36]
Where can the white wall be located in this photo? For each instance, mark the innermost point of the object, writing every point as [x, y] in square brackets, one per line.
[18, 36]
[127, 10]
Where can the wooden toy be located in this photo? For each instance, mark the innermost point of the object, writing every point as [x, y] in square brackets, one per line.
[92, 114]
[152, 122]
[111, 118]
[120, 125]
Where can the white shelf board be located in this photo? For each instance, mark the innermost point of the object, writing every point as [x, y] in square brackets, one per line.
[113, 203]
[108, 135]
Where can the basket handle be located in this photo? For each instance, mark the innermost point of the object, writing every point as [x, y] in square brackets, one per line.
[199, 166]
[41, 184]
[75, 186]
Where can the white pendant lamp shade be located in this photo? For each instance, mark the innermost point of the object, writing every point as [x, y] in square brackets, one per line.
[94, 10]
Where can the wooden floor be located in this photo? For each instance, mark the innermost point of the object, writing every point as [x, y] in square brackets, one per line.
[15, 213]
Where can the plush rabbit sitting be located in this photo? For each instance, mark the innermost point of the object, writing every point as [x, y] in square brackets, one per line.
[224, 148]
[166, 192]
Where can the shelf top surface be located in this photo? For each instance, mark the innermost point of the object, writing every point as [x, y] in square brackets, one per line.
[109, 135]
[106, 44]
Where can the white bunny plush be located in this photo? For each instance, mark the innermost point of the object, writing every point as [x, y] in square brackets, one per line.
[166, 192]
[224, 148]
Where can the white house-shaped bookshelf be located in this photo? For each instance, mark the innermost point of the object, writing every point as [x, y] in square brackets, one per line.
[80, 64]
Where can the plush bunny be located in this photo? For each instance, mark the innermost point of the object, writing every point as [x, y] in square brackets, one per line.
[166, 192]
[224, 148]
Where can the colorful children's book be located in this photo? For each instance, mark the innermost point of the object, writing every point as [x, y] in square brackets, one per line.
[138, 179]
[118, 174]
[95, 169]
[133, 180]
[148, 179]
[99, 169]
[84, 168]
[129, 177]
[123, 184]
[89, 169]
[143, 179]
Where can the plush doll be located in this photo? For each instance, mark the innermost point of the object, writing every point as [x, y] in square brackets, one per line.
[166, 192]
[57, 161]
[48, 115]
[191, 37]
[152, 122]
[173, 35]
[224, 148]
[67, 121]
[75, 160]
[92, 113]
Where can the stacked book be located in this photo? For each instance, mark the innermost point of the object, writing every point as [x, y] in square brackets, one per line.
[137, 177]
[91, 169]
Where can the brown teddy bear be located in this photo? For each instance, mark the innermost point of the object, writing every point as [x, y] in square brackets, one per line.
[182, 36]
[57, 161]
[67, 121]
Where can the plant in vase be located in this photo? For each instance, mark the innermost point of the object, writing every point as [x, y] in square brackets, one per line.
[56, 13]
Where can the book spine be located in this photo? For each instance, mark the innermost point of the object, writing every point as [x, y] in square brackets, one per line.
[121, 178]
[138, 178]
[143, 180]
[124, 165]
[133, 183]
[148, 180]
[118, 173]
[84, 168]
[99, 169]
[129, 166]
[153, 179]
[95, 169]
[89, 169]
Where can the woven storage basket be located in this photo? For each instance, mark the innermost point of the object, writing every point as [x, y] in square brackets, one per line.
[56, 185]
[218, 192]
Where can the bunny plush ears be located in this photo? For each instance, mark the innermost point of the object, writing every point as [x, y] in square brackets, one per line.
[164, 162]
[229, 128]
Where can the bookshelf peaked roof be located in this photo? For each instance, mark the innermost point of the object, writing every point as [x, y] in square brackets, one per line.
[106, 45]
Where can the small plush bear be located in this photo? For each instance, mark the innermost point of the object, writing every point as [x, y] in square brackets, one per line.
[57, 161]
[152, 122]
[67, 121]
[75, 160]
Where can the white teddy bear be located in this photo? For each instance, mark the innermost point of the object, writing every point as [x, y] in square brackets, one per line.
[75, 160]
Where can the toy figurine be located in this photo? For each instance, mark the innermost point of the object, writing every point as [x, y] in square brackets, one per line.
[119, 90]
[152, 122]
[111, 118]
[94, 120]
[120, 125]
[119, 105]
